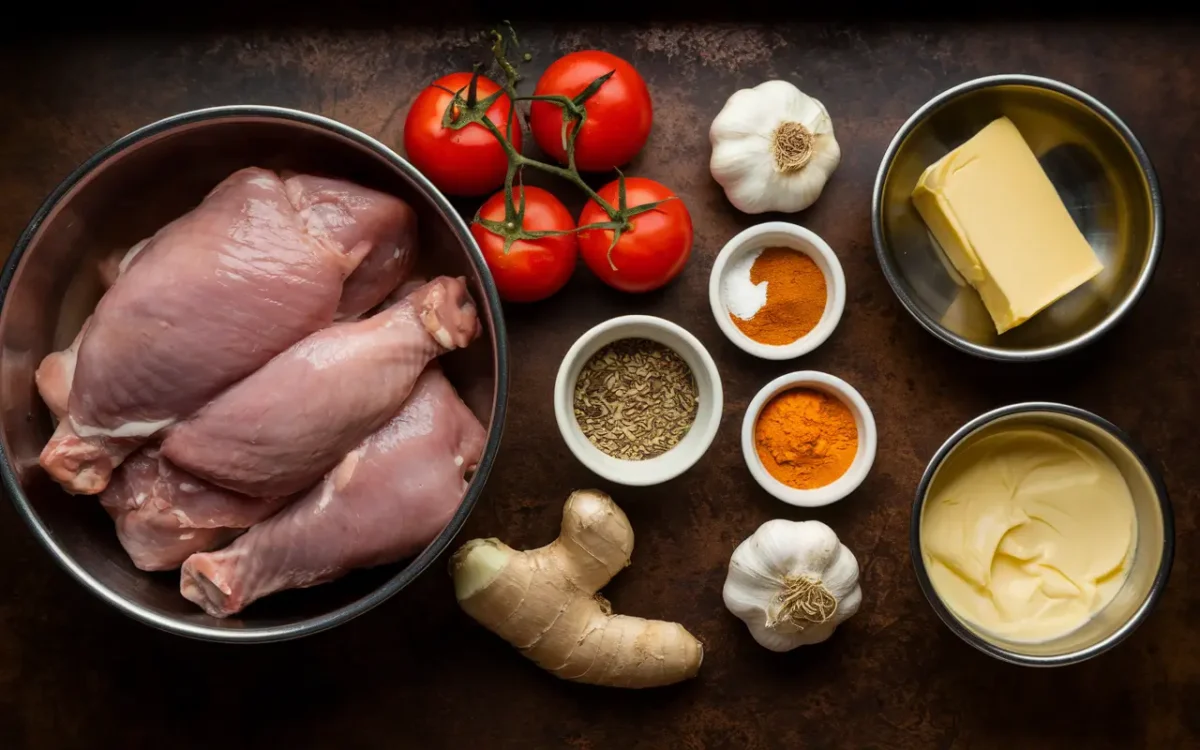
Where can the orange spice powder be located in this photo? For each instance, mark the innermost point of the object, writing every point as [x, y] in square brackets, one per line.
[806, 438]
[796, 296]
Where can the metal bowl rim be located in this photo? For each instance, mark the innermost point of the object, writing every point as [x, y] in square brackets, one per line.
[418, 564]
[993, 352]
[1156, 586]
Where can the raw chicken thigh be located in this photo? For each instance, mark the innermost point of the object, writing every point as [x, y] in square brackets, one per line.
[211, 297]
[57, 370]
[164, 515]
[385, 501]
[118, 261]
[56, 373]
[354, 216]
[364, 223]
[281, 429]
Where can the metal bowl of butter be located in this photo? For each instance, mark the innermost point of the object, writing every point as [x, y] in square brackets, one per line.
[1017, 218]
[1041, 535]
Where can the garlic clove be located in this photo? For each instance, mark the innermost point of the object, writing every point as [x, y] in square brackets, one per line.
[748, 591]
[840, 575]
[810, 113]
[752, 201]
[738, 164]
[773, 641]
[848, 605]
[788, 98]
[819, 633]
[744, 116]
[827, 154]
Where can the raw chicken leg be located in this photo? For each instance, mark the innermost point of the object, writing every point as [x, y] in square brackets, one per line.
[281, 429]
[351, 215]
[385, 501]
[164, 515]
[212, 297]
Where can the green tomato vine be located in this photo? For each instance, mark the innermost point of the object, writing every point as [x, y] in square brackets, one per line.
[467, 108]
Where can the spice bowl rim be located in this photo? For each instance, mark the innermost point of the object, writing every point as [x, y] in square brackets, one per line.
[811, 244]
[1121, 632]
[677, 460]
[859, 468]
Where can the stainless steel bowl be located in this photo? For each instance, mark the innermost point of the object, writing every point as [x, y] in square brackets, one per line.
[1152, 558]
[125, 192]
[1102, 174]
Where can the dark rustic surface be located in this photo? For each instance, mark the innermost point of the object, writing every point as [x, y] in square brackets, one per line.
[416, 672]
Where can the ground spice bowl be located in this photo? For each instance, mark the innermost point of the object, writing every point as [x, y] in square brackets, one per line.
[795, 237]
[710, 401]
[864, 421]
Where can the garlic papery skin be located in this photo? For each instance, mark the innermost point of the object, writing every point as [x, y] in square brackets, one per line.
[773, 148]
[792, 583]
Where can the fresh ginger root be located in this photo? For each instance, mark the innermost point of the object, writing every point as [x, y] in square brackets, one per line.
[544, 601]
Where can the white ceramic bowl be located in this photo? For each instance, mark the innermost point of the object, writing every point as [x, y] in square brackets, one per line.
[863, 420]
[796, 237]
[693, 445]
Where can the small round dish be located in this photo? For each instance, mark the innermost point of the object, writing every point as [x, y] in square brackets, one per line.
[710, 400]
[795, 237]
[864, 420]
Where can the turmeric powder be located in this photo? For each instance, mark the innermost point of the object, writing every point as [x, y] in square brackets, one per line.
[796, 297]
[806, 438]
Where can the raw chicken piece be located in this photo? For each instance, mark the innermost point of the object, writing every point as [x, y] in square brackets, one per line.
[164, 515]
[341, 211]
[351, 215]
[116, 262]
[384, 502]
[110, 267]
[282, 428]
[212, 297]
[56, 373]
[410, 285]
[57, 370]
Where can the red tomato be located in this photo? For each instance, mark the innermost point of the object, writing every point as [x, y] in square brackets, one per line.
[619, 115]
[650, 254]
[531, 270]
[469, 161]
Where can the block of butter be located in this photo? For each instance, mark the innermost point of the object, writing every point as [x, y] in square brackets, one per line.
[998, 218]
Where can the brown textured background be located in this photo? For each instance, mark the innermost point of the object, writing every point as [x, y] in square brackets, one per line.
[416, 672]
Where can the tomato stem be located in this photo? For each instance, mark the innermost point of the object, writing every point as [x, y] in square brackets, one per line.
[473, 87]
[461, 112]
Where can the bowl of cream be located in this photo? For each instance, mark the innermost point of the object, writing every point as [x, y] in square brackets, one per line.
[1041, 535]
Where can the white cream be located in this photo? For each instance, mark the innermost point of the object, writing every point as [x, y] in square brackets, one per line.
[1027, 533]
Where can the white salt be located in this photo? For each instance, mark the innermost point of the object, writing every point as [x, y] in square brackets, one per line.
[742, 297]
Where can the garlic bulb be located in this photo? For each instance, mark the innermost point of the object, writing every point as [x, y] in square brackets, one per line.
[773, 148]
[792, 583]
